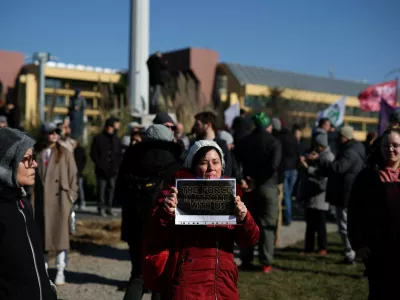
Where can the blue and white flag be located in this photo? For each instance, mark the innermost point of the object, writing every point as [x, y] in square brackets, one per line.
[335, 113]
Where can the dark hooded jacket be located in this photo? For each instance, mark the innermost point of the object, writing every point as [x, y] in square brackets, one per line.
[22, 270]
[106, 153]
[147, 159]
[260, 155]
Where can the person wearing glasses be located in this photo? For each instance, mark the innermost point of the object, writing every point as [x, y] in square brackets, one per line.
[55, 192]
[374, 216]
[22, 267]
[165, 119]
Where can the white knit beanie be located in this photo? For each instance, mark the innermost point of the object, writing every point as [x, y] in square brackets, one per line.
[197, 146]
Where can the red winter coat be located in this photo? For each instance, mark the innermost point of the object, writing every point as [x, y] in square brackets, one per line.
[193, 262]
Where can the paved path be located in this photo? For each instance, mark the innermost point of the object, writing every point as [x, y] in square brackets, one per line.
[99, 275]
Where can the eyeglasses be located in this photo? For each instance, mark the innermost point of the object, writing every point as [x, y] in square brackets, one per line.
[173, 128]
[28, 161]
[392, 146]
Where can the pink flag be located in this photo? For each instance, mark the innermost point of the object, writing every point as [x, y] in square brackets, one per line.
[370, 98]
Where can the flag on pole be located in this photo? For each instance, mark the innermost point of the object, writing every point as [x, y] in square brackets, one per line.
[384, 116]
[231, 113]
[335, 113]
[370, 98]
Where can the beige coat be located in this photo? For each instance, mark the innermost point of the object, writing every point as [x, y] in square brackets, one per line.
[55, 191]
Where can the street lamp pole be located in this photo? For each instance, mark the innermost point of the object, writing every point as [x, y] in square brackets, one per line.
[42, 58]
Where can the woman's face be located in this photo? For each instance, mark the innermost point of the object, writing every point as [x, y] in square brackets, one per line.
[390, 147]
[210, 166]
[53, 137]
[26, 170]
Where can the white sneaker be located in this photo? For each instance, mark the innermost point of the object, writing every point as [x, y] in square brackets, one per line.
[60, 278]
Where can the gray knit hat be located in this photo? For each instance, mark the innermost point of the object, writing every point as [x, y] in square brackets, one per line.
[3, 119]
[13, 146]
[226, 136]
[159, 133]
[347, 132]
[322, 140]
[276, 124]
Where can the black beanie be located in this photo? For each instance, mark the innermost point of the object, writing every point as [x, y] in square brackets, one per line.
[162, 118]
[13, 146]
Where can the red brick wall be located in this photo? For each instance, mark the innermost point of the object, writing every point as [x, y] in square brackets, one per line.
[10, 65]
[203, 63]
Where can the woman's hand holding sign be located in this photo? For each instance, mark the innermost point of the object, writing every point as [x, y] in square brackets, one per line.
[171, 201]
[240, 209]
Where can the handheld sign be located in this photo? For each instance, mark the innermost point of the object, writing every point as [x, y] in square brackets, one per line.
[205, 201]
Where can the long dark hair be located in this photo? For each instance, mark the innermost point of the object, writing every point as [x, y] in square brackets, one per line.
[42, 143]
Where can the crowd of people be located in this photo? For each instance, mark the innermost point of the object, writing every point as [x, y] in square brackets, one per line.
[41, 181]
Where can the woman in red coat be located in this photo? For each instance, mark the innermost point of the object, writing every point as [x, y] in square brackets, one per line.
[195, 262]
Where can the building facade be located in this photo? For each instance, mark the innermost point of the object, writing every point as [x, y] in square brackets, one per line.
[197, 82]
[103, 89]
[189, 88]
[296, 98]
[10, 66]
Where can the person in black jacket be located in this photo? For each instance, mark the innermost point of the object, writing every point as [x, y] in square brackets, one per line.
[22, 269]
[80, 159]
[146, 170]
[205, 129]
[260, 156]
[11, 112]
[290, 160]
[342, 173]
[106, 153]
[369, 142]
[241, 126]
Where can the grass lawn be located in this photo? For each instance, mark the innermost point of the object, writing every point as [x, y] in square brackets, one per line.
[308, 278]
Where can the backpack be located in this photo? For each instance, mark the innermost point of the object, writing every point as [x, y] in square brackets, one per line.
[143, 194]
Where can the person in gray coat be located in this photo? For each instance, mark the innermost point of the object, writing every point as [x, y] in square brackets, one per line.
[312, 192]
[342, 173]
